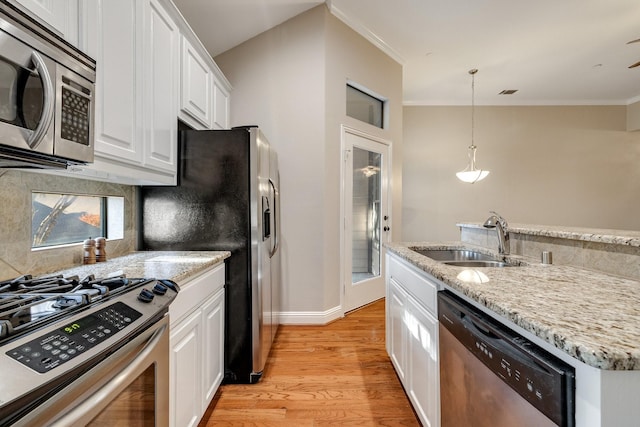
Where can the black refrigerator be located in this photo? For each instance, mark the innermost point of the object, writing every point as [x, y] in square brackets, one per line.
[227, 198]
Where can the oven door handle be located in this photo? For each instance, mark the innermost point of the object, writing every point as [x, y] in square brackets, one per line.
[108, 392]
[49, 99]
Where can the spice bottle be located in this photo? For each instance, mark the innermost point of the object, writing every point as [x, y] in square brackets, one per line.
[89, 249]
[101, 249]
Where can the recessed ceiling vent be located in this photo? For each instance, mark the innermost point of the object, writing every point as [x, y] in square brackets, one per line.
[508, 92]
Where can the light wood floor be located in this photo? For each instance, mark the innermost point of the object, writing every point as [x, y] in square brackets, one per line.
[333, 375]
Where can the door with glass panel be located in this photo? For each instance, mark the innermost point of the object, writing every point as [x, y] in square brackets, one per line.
[366, 218]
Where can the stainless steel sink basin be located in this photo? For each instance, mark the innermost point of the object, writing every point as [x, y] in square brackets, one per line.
[476, 264]
[455, 255]
[463, 258]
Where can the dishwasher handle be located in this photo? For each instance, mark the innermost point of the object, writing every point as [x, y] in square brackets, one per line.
[487, 335]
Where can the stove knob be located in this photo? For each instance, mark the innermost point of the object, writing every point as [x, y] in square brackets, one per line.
[170, 284]
[145, 295]
[159, 289]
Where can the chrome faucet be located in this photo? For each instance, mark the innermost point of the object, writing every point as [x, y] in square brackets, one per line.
[500, 224]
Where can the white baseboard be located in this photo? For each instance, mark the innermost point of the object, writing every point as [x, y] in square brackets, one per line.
[310, 317]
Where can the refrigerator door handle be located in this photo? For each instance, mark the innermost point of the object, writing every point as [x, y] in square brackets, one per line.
[276, 217]
[266, 219]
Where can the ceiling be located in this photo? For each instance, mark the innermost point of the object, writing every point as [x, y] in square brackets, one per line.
[569, 52]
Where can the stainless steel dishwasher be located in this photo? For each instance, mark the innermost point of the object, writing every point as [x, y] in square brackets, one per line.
[492, 376]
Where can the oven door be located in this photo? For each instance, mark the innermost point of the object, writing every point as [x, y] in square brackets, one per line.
[130, 387]
[27, 97]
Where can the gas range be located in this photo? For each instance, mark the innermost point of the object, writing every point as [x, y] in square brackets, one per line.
[54, 329]
[27, 302]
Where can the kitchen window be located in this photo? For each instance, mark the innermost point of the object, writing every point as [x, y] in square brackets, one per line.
[61, 219]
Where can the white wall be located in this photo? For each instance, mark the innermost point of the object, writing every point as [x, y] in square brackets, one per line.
[291, 81]
[573, 166]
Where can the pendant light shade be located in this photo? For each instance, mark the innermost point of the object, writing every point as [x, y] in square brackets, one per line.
[471, 174]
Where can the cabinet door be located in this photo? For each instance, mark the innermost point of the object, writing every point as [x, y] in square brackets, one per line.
[221, 105]
[397, 330]
[60, 15]
[185, 397]
[113, 39]
[160, 100]
[196, 81]
[422, 352]
[213, 346]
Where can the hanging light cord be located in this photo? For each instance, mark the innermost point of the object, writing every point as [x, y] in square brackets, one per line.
[473, 104]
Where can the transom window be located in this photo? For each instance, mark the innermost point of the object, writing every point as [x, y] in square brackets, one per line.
[364, 106]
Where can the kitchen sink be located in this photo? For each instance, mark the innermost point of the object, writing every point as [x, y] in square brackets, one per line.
[455, 255]
[463, 258]
[476, 264]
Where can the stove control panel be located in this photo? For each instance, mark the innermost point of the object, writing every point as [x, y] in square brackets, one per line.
[49, 351]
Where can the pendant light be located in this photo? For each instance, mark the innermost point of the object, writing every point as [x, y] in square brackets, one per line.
[470, 174]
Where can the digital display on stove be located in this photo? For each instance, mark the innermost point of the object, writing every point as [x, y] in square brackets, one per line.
[80, 325]
[49, 351]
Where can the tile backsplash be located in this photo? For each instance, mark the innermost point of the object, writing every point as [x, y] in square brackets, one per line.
[16, 255]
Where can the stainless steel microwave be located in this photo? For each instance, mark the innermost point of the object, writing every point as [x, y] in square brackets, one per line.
[47, 95]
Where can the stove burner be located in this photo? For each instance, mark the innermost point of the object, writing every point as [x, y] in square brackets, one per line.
[65, 302]
[26, 302]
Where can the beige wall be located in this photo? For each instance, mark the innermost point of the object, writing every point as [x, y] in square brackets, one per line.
[291, 82]
[633, 116]
[351, 57]
[574, 166]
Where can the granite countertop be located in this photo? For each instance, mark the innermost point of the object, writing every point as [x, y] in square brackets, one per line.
[174, 265]
[592, 316]
[601, 235]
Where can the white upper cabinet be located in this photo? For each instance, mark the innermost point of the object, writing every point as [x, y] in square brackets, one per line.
[151, 71]
[118, 54]
[136, 46]
[61, 16]
[221, 104]
[161, 74]
[196, 84]
[204, 90]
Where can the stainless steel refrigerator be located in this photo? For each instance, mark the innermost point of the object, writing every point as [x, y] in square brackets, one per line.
[227, 198]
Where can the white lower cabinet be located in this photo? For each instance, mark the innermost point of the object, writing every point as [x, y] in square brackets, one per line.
[396, 327]
[423, 381]
[412, 336]
[197, 347]
[212, 343]
[185, 371]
